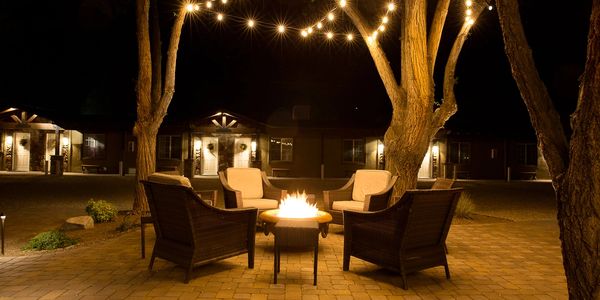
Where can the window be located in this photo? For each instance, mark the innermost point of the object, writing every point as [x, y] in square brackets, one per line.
[526, 154]
[169, 147]
[459, 153]
[280, 149]
[353, 151]
[94, 146]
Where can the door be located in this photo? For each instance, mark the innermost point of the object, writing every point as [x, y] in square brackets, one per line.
[210, 155]
[241, 152]
[22, 145]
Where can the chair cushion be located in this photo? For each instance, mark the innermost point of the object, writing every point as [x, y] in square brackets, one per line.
[348, 205]
[170, 179]
[369, 182]
[246, 180]
[261, 203]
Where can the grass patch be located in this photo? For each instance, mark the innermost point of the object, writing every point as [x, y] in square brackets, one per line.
[49, 240]
[465, 206]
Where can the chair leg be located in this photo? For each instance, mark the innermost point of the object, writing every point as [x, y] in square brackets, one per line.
[346, 264]
[188, 274]
[152, 260]
[143, 239]
[316, 262]
[251, 258]
[447, 270]
[275, 265]
[404, 284]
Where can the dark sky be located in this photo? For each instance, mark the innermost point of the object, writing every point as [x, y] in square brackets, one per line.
[77, 59]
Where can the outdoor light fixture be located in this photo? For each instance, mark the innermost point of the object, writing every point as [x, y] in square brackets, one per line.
[342, 3]
[380, 156]
[2, 217]
[9, 140]
[197, 145]
[435, 149]
[65, 141]
[251, 23]
[253, 150]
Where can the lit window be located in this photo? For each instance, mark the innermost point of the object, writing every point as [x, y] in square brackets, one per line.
[94, 146]
[281, 149]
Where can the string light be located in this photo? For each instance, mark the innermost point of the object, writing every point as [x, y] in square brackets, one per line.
[189, 7]
[196, 7]
[281, 28]
[319, 25]
[490, 7]
[224, 1]
[349, 36]
[304, 33]
[220, 17]
[309, 30]
[468, 3]
[251, 23]
[342, 3]
[391, 6]
[209, 4]
[330, 16]
[382, 28]
[329, 35]
[385, 19]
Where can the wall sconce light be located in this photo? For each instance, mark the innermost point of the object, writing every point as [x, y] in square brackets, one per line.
[435, 150]
[253, 150]
[9, 140]
[65, 141]
[2, 218]
[197, 145]
[380, 156]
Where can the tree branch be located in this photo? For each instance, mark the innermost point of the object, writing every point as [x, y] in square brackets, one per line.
[544, 118]
[169, 88]
[381, 62]
[448, 107]
[156, 45]
[143, 86]
[435, 33]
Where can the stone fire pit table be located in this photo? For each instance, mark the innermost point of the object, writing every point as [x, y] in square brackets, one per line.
[269, 218]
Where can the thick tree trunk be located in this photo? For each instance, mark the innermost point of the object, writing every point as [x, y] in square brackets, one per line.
[579, 196]
[145, 161]
[575, 170]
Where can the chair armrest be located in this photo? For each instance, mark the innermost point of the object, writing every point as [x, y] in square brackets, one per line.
[231, 197]
[352, 217]
[270, 191]
[343, 193]
[210, 196]
[380, 200]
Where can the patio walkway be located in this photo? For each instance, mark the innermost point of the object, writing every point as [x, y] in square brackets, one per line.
[509, 260]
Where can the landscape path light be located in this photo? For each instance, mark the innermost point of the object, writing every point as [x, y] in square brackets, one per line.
[2, 218]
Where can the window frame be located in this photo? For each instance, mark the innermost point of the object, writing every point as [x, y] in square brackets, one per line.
[171, 149]
[355, 160]
[100, 152]
[522, 151]
[281, 149]
[461, 147]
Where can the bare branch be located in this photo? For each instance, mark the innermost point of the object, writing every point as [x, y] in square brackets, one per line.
[435, 33]
[544, 118]
[169, 88]
[143, 86]
[381, 62]
[156, 45]
[448, 107]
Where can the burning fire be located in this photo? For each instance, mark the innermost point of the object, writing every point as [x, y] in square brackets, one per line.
[295, 206]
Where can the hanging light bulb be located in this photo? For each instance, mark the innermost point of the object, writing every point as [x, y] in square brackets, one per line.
[304, 33]
[385, 19]
[220, 17]
[469, 12]
[468, 3]
[391, 6]
[281, 28]
[224, 1]
[349, 36]
[329, 35]
[370, 39]
[382, 28]
[196, 7]
[309, 30]
[490, 7]
[251, 23]
[319, 25]
[330, 16]
[342, 3]
[209, 4]
[189, 7]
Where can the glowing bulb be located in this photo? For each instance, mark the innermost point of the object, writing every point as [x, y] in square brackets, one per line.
[382, 28]
[196, 7]
[471, 22]
[370, 39]
[342, 3]
[319, 25]
[281, 29]
[490, 7]
[330, 16]
[189, 7]
[385, 20]
[9, 140]
[309, 30]
[224, 1]
[469, 12]
[330, 35]
[391, 6]
[209, 4]
[349, 36]
[304, 33]
[220, 17]
[375, 33]
[467, 19]
[468, 3]
[251, 23]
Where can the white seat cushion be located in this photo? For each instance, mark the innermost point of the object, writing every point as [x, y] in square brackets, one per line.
[369, 182]
[170, 179]
[246, 180]
[260, 203]
[348, 205]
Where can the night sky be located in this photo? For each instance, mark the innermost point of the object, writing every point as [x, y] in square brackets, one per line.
[76, 60]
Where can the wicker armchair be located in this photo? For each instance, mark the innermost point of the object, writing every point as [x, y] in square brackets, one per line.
[249, 187]
[190, 232]
[408, 236]
[367, 190]
[442, 184]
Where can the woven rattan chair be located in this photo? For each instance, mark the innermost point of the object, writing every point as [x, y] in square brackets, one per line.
[190, 232]
[249, 187]
[367, 190]
[408, 236]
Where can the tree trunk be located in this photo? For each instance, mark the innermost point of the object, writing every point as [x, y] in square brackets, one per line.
[579, 196]
[575, 170]
[146, 163]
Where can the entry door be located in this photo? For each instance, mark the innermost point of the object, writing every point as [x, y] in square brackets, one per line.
[210, 155]
[241, 152]
[22, 144]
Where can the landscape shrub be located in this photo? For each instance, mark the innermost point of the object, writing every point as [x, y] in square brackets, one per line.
[465, 206]
[101, 211]
[128, 223]
[49, 240]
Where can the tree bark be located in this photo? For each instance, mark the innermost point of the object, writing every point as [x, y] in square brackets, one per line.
[575, 170]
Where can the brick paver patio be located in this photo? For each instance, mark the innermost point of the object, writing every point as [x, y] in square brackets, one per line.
[511, 260]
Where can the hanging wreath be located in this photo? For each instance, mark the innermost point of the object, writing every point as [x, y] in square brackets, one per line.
[23, 142]
[211, 147]
[243, 147]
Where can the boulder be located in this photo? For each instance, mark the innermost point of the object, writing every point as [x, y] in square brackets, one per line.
[78, 223]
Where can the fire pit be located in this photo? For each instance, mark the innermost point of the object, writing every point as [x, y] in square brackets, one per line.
[295, 206]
